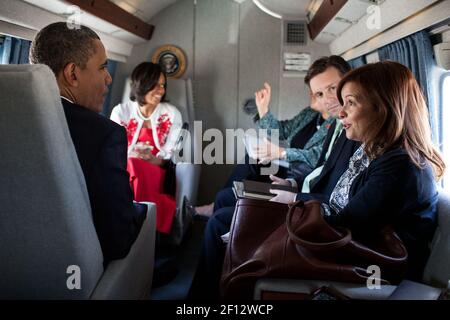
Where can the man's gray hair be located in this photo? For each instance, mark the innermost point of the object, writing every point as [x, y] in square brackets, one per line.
[56, 45]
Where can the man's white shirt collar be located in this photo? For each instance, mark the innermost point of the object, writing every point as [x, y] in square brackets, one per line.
[67, 99]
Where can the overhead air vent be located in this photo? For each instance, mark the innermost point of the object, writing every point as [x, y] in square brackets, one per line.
[295, 33]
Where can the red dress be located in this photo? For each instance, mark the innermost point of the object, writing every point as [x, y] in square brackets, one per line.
[147, 183]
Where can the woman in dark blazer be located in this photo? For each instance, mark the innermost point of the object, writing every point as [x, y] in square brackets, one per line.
[391, 177]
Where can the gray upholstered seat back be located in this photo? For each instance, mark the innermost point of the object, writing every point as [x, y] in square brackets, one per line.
[437, 270]
[45, 216]
[179, 93]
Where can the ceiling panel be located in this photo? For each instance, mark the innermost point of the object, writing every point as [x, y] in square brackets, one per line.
[63, 8]
[324, 38]
[130, 9]
[127, 36]
[354, 10]
[57, 7]
[100, 24]
[349, 15]
[336, 27]
[144, 9]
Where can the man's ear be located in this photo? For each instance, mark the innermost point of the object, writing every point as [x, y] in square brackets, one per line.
[69, 74]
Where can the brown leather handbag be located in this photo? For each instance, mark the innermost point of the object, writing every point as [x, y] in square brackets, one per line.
[273, 240]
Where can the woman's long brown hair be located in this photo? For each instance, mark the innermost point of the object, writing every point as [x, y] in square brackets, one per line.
[401, 113]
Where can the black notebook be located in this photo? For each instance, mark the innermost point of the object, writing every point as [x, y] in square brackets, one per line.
[257, 190]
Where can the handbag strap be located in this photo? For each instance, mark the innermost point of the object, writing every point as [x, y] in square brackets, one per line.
[309, 244]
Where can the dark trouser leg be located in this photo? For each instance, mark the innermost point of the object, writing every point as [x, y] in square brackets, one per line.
[251, 171]
[224, 198]
[244, 171]
[205, 285]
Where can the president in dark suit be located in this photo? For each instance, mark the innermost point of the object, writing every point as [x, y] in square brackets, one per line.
[78, 59]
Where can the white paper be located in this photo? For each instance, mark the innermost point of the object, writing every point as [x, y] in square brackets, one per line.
[225, 237]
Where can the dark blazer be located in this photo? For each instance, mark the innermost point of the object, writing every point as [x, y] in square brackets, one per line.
[334, 167]
[302, 137]
[392, 190]
[101, 147]
[300, 169]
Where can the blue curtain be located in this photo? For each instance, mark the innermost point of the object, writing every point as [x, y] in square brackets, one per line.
[14, 51]
[357, 62]
[416, 52]
[112, 65]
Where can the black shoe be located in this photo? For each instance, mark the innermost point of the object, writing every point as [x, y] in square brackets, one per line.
[165, 270]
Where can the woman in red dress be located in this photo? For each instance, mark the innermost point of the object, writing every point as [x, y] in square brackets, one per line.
[153, 127]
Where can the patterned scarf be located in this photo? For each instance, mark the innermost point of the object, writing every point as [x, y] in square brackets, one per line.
[357, 164]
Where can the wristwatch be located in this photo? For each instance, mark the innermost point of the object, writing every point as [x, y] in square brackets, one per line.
[283, 155]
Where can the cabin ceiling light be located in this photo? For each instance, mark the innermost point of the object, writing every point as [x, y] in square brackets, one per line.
[266, 10]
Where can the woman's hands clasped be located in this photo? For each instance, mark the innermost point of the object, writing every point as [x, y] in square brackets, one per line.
[144, 151]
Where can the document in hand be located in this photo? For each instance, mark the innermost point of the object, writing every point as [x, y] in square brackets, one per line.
[238, 189]
[257, 190]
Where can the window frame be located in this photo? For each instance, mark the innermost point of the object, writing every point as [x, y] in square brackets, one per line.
[442, 131]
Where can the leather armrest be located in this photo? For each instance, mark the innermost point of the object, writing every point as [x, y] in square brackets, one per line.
[131, 277]
[300, 289]
[410, 290]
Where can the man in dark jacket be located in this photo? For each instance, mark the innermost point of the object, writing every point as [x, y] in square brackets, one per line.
[78, 59]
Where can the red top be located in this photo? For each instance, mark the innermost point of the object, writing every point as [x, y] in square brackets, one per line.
[146, 136]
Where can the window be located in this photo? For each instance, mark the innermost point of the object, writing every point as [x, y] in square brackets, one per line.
[14, 50]
[445, 90]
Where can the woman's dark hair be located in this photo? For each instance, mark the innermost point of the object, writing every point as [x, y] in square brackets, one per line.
[322, 64]
[144, 78]
[401, 113]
